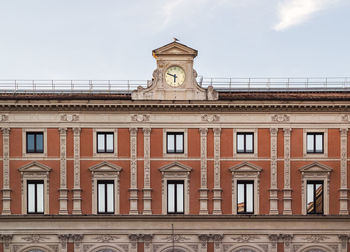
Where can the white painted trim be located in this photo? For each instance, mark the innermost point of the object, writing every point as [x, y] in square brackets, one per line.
[325, 143]
[24, 142]
[94, 143]
[175, 155]
[245, 155]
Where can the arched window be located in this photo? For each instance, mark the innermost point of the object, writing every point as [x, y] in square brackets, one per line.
[106, 250]
[245, 250]
[35, 250]
[315, 250]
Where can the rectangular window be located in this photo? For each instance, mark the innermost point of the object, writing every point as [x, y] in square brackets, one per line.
[105, 192]
[314, 143]
[35, 196]
[35, 142]
[245, 197]
[314, 197]
[175, 197]
[175, 142]
[245, 142]
[105, 142]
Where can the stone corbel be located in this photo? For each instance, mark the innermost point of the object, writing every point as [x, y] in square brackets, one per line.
[344, 239]
[204, 238]
[6, 240]
[63, 240]
[77, 238]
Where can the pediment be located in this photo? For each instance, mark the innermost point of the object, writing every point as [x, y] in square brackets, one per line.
[245, 167]
[175, 167]
[34, 167]
[315, 167]
[175, 48]
[105, 167]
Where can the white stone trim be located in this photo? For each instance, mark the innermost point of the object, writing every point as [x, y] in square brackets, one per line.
[245, 171]
[76, 188]
[175, 155]
[6, 189]
[217, 169]
[147, 191]
[24, 142]
[115, 144]
[245, 155]
[325, 143]
[273, 172]
[203, 191]
[343, 209]
[63, 172]
[133, 197]
[287, 191]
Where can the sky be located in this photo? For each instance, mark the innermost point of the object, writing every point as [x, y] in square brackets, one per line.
[114, 39]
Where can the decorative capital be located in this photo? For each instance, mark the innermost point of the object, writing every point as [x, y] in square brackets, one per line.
[287, 239]
[273, 239]
[5, 131]
[287, 131]
[62, 131]
[273, 131]
[217, 131]
[76, 130]
[77, 238]
[63, 239]
[6, 240]
[133, 131]
[204, 238]
[343, 132]
[203, 131]
[146, 131]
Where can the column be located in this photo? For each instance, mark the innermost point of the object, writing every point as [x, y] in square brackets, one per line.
[133, 169]
[217, 185]
[287, 191]
[273, 186]
[203, 197]
[147, 191]
[63, 172]
[343, 171]
[6, 190]
[76, 188]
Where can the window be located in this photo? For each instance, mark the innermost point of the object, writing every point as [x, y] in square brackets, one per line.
[105, 142]
[245, 142]
[105, 192]
[175, 142]
[314, 143]
[35, 191]
[245, 197]
[175, 197]
[314, 197]
[35, 142]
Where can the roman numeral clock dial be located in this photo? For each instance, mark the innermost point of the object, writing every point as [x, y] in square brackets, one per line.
[174, 76]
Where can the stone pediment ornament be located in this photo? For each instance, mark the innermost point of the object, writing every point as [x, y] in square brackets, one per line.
[245, 167]
[34, 167]
[105, 167]
[315, 167]
[174, 48]
[175, 167]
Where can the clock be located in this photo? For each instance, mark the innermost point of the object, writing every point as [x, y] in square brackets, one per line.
[174, 76]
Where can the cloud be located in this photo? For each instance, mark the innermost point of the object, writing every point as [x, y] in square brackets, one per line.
[295, 12]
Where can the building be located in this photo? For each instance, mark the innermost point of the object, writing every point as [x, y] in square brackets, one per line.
[240, 166]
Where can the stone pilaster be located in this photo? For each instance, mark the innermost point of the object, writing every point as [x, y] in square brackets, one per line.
[217, 185]
[204, 187]
[133, 170]
[63, 172]
[287, 191]
[344, 240]
[273, 186]
[6, 190]
[273, 242]
[77, 239]
[63, 238]
[343, 171]
[76, 188]
[217, 239]
[147, 191]
[287, 242]
[6, 241]
[203, 240]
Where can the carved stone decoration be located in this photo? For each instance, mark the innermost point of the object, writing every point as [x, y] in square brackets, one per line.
[140, 117]
[63, 172]
[133, 170]
[133, 239]
[343, 172]
[345, 118]
[63, 240]
[147, 240]
[35, 238]
[244, 238]
[287, 191]
[217, 238]
[226, 247]
[6, 190]
[4, 118]
[344, 239]
[203, 197]
[194, 247]
[217, 184]
[69, 117]
[77, 238]
[6, 240]
[315, 238]
[86, 247]
[273, 186]
[204, 238]
[106, 238]
[53, 248]
[125, 247]
[210, 118]
[16, 247]
[296, 247]
[280, 118]
[76, 188]
[265, 247]
[273, 239]
[175, 238]
[287, 239]
[147, 191]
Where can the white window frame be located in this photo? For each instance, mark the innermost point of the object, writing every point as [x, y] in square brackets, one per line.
[176, 182]
[315, 172]
[255, 140]
[185, 142]
[105, 182]
[105, 171]
[24, 142]
[36, 183]
[175, 171]
[245, 171]
[115, 144]
[35, 171]
[325, 143]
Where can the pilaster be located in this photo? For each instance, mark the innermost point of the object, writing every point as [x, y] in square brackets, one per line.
[217, 184]
[6, 241]
[343, 171]
[273, 242]
[63, 172]
[287, 191]
[76, 188]
[63, 238]
[6, 190]
[147, 191]
[77, 239]
[273, 186]
[344, 240]
[133, 169]
[204, 187]
[287, 242]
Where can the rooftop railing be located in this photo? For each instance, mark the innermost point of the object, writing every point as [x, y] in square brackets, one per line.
[220, 84]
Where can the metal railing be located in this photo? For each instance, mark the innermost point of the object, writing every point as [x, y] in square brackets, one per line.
[220, 84]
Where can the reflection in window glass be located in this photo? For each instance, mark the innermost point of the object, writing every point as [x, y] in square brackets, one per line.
[175, 196]
[245, 142]
[314, 197]
[171, 198]
[245, 197]
[314, 142]
[105, 196]
[35, 196]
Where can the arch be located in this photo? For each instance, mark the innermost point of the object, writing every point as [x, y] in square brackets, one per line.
[177, 248]
[314, 248]
[245, 248]
[106, 248]
[31, 248]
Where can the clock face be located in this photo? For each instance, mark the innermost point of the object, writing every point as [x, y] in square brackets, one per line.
[174, 76]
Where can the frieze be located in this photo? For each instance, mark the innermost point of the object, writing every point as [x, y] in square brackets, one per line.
[15, 247]
[69, 117]
[315, 238]
[265, 247]
[244, 238]
[4, 118]
[6, 239]
[35, 238]
[87, 247]
[176, 238]
[106, 238]
[53, 248]
[77, 238]
[280, 118]
[210, 118]
[140, 117]
[63, 240]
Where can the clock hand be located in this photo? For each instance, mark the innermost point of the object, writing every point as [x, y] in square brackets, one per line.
[170, 74]
[175, 78]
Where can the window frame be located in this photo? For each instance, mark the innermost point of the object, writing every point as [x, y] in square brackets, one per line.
[314, 134]
[243, 155]
[24, 142]
[35, 133]
[245, 182]
[175, 134]
[35, 182]
[185, 143]
[314, 183]
[105, 183]
[113, 154]
[313, 155]
[176, 182]
[105, 133]
[244, 143]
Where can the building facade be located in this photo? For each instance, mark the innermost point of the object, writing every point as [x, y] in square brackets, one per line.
[174, 166]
